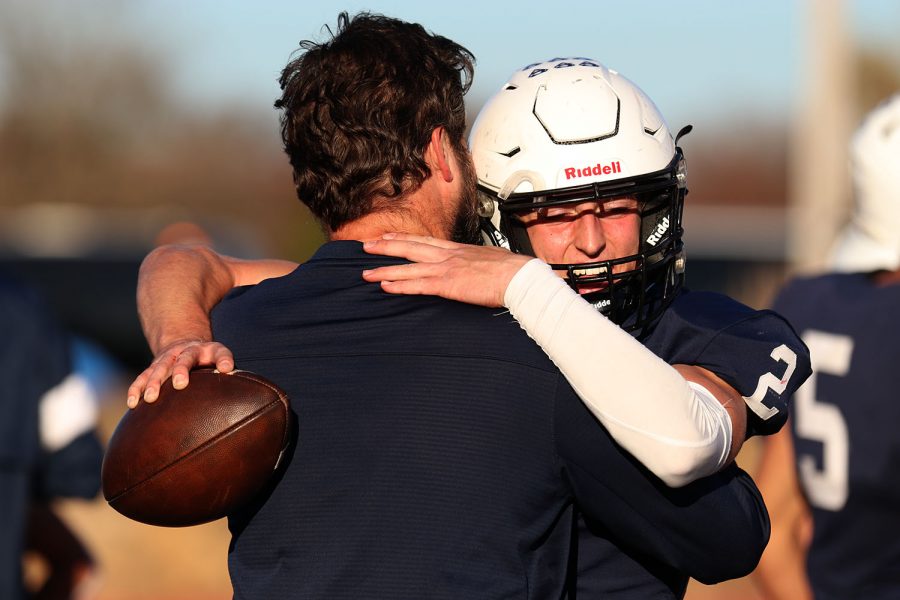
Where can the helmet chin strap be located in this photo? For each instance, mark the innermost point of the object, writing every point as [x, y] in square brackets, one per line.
[491, 236]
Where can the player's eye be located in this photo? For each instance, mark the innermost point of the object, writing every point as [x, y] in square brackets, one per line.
[566, 212]
[618, 207]
[558, 212]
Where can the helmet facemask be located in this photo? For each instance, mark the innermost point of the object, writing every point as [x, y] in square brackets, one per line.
[634, 296]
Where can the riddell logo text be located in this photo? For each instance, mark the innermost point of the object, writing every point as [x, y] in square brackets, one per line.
[661, 228]
[598, 169]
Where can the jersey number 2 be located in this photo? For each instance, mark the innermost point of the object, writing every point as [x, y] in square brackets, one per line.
[823, 422]
[770, 381]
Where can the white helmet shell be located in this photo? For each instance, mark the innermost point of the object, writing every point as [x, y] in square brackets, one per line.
[564, 123]
[570, 130]
[871, 241]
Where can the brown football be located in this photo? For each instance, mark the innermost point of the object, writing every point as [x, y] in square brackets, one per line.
[197, 454]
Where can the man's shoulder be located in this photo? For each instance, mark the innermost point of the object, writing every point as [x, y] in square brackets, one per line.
[339, 312]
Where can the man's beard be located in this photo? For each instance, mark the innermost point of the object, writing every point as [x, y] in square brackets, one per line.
[466, 228]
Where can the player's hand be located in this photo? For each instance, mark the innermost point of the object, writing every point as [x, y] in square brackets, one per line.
[472, 274]
[176, 360]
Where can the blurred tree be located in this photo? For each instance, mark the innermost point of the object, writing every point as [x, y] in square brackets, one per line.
[97, 157]
[87, 117]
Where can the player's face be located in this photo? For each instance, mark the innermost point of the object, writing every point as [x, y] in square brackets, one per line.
[585, 232]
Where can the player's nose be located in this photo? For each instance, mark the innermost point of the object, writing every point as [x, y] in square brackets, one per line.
[589, 236]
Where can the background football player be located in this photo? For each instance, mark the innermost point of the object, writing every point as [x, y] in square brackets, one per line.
[49, 450]
[837, 463]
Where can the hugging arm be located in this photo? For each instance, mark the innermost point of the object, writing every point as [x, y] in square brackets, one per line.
[672, 420]
[177, 287]
[712, 529]
[682, 422]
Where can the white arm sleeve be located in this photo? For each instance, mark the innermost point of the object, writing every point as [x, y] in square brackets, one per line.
[676, 428]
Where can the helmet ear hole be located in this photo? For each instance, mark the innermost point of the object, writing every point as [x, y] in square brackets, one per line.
[486, 205]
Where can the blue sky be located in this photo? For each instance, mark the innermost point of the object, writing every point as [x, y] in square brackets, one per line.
[698, 59]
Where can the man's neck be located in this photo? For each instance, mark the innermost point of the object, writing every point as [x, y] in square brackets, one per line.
[411, 219]
[429, 210]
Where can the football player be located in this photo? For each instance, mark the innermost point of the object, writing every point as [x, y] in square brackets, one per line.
[836, 463]
[49, 449]
[577, 167]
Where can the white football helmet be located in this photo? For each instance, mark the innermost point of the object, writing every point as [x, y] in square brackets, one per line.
[571, 130]
[871, 241]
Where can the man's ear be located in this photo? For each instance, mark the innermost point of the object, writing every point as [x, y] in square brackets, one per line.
[438, 154]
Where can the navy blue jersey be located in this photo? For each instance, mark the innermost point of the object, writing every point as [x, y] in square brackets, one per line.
[845, 432]
[755, 351]
[440, 454]
[737, 343]
[33, 360]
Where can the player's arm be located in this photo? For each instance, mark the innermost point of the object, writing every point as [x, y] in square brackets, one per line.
[682, 423]
[177, 287]
[675, 421]
[712, 529]
[782, 571]
[727, 396]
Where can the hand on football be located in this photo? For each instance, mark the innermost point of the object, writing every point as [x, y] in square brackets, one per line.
[472, 274]
[176, 360]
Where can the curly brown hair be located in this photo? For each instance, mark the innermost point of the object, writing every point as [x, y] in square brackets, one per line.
[359, 110]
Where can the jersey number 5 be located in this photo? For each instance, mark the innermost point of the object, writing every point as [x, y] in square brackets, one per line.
[823, 422]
